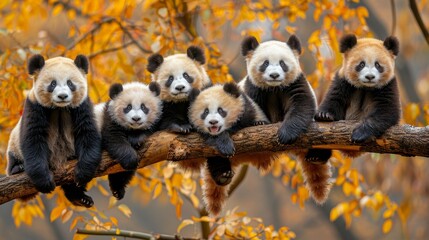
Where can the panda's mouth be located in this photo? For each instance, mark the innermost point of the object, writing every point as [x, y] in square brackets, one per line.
[214, 129]
[61, 103]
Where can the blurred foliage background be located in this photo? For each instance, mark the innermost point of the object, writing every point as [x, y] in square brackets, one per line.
[374, 197]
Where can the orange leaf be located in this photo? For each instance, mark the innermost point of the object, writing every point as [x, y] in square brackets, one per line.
[387, 225]
[184, 223]
[125, 210]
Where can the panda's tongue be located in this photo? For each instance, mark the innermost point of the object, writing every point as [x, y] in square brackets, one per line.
[214, 129]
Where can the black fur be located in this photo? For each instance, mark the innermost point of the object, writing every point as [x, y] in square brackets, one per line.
[220, 170]
[347, 42]
[197, 54]
[294, 43]
[82, 62]
[35, 63]
[193, 94]
[115, 89]
[34, 145]
[249, 44]
[175, 117]
[232, 89]
[154, 61]
[392, 44]
[273, 101]
[122, 145]
[155, 88]
[385, 113]
[87, 142]
[15, 165]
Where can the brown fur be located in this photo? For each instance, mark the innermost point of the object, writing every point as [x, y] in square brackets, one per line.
[317, 178]
[214, 196]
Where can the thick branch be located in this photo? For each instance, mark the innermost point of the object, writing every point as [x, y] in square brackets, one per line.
[403, 140]
[131, 234]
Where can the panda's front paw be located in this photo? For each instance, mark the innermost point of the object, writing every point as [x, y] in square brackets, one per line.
[130, 164]
[324, 117]
[361, 134]
[45, 184]
[286, 137]
[183, 129]
[227, 149]
[257, 123]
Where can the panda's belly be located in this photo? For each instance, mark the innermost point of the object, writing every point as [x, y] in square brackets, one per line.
[276, 107]
[360, 106]
[60, 138]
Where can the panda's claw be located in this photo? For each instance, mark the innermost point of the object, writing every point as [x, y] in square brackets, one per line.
[324, 117]
[225, 178]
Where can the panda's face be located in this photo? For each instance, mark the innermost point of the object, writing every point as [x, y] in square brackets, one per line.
[177, 75]
[60, 84]
[273, 64]
[135, 107]
[368, 64]
[215, 111]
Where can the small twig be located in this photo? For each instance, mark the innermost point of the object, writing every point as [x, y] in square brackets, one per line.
[238, 180]
[128, 33]
[131, 234]
[416, 13]
[393, 7]
[101, 52]
[170, 22]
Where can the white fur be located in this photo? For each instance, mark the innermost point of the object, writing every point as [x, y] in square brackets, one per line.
[179, 80]
[369, 70]
[215, 116]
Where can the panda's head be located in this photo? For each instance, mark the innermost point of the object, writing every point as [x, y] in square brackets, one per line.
[272, 63]
[135, 105]
[179, 73]
[59, 81]
[368, 62]
[216, 109]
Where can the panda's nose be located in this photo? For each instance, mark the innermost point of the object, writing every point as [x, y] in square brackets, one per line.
[213, 122]
[136, 118]
[62, 96]
[274, 75]
[180, 87]
[369, 77]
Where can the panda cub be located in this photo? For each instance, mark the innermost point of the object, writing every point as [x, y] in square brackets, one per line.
[277, 84]
[126, 120]
[364, 88]
[57, 125]
[177, 75]
[217, 112]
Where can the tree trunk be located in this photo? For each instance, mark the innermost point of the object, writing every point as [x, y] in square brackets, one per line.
[403, 140]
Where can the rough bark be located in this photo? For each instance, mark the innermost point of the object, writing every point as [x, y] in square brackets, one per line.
[402, 140]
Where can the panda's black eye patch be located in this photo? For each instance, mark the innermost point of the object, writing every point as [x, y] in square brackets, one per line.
[52, 86]
[144, 108]
[264, 66]
[360, 66]
[128, 108]
[188, 78]
[71, 85]
[169, 81]
[284, 66]
[222, 112]
[380, 69]
[205, 113]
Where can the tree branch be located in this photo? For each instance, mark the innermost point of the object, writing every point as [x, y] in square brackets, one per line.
[403, 140]
[416, 13]
[131, 234]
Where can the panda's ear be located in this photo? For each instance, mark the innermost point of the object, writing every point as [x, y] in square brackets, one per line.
[81, 62]
[248, 45]
[155, 88]
[347, 42]
[197, 54]
[114, 90]
[154, 61]
[294, 43]
[232, 89]
[193, 94]
[35, 63]
[392, 44]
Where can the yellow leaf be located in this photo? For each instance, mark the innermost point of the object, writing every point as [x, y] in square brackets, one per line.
[114, 220]
[220, 231]
[125, 210]
[388, 213]
[67, 215]
[112, 202]
[387, 225]
[157, 191]
[184, 223]
[348, 188]
[56, 212]
[57, 9]
[103, 190]
[74, 222]
[203, 219]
